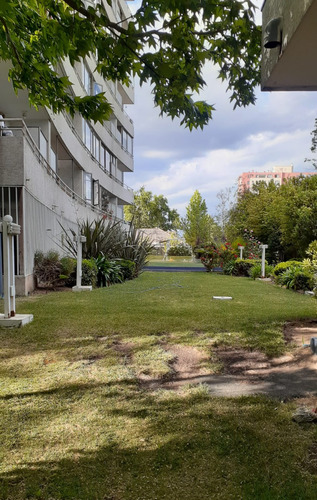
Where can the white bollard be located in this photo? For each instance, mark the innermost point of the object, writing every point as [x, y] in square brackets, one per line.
[8, 231]
[10, 318]
[79, 288]
[263, 259]
[241, 248]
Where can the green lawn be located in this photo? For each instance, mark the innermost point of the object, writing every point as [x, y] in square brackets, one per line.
[157, 260]
[76, 424]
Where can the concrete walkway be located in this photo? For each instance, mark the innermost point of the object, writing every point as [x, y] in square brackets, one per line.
[278, 385]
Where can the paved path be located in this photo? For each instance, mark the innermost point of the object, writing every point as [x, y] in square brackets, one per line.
[279, 385]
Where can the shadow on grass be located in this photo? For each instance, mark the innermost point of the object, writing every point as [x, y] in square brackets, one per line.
[191, 447]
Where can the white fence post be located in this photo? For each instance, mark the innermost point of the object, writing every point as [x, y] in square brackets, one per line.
[263, 259]
[9, 318]
[79, 288]
[241, 248]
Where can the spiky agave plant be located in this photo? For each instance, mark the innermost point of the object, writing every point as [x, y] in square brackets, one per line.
[102, 237]
[137, 248]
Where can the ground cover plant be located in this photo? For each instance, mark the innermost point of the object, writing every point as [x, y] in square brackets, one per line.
[76, 421]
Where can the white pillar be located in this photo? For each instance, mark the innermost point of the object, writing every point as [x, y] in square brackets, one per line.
[241, 248]
[9, 318]
[79, 288]
[263, 259]
[9, 230]
[7, 219]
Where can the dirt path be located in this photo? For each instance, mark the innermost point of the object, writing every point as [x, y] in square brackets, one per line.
[246, 373]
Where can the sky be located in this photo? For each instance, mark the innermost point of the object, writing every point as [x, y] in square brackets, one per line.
[171, 160]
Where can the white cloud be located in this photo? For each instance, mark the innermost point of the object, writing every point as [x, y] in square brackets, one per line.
[219, 168]
[158, 153]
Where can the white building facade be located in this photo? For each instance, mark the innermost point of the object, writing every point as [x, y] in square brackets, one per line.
[56, 170]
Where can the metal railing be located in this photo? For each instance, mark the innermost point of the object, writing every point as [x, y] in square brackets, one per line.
[45, 165]
[73, 129]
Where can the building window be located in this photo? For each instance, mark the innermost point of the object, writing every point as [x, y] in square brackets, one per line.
[43, 145]
[53, 161]
[96, 147]
[87, 187]
[97, 88]
[87, 136]
[96, 192]
[86, 78]
[102, 156]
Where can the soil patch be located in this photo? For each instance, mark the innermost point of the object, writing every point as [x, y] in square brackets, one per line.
[249, 372]
[124, 349]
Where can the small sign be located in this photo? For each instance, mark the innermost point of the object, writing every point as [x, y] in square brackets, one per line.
[218, 297]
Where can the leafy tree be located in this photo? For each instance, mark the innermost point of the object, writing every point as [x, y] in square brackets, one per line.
[165, 43]
[313, 146]
[151, 211]
[226, 199]
[198, 225]
[282, 217]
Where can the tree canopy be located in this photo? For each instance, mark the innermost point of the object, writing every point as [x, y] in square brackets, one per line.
[282, 217]
[166, 43]
[151, 211]
[198, 225]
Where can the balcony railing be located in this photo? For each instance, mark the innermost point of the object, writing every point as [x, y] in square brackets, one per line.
[73, 129]
[19, 128]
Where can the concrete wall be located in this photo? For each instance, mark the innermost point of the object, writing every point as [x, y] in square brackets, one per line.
[11, 161]
[290, 57]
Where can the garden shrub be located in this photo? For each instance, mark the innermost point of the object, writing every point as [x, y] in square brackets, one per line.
[283, 266]
[47, 268]
[108, 271]
[89, 273]
[296, 278]
[127, 268]
[67, 266]
[212, 256]
[181, 250]
[242, 267]
[229, 267]
[256, 271]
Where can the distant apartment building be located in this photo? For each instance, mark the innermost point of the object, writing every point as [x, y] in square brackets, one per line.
[278, 175]
[57, 170]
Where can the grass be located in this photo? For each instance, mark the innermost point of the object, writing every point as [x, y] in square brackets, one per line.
[157, 260]
[76, 424]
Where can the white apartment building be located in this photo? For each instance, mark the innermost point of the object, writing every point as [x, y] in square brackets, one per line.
[55, 169]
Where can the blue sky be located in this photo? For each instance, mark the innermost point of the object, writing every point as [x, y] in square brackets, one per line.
[172, 161]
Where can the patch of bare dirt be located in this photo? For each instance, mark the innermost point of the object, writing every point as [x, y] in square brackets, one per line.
[187, 361]
[185, 365]
[124, 349]
[250, 372]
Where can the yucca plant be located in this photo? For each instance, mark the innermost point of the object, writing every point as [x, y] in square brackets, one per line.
[102, 236]
[136, 248]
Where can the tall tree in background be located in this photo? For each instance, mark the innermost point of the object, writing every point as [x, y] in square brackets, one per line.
[165, 43]
[151, 211]
[226, 199]
[198, 225]
[283, 217]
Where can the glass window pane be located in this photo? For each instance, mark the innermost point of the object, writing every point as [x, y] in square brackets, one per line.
[87, 187]
[43, 145]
